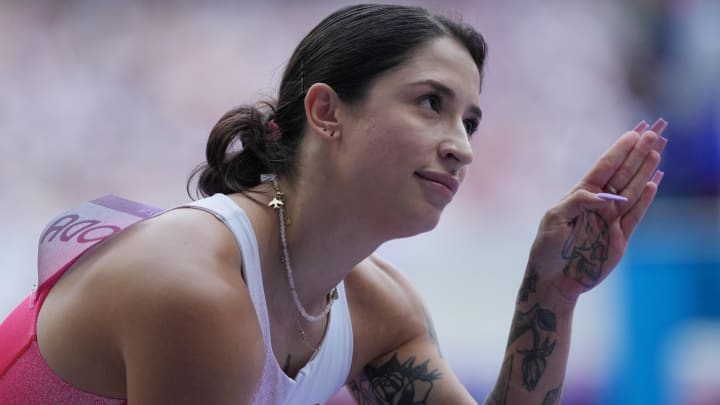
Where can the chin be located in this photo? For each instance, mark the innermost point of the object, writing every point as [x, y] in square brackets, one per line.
[416, 224]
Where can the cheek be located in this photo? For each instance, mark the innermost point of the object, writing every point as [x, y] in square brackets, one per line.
[385, 137]
[394, 137]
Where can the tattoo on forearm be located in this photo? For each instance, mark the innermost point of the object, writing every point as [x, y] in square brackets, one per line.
[534, 320]
[552, 397]
[500, 394]
[394, 383]
[541, 322]
[529, 282]
[586, 249]
[433, 334]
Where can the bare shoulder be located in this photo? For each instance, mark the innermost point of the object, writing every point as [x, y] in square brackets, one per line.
[386, 309]
[178, 235]
[181, 258]
[377, 282]
[181, 313]
[193, 328]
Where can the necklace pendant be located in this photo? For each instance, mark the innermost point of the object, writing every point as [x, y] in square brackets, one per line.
[278, 200]
[275, 203]
[302, 333]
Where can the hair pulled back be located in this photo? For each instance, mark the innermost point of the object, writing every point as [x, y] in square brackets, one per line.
[347, 51]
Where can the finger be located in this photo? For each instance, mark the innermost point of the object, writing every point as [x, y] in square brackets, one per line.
[633, 217]
[602, 171]
[660, 144]
[578, 202]
[637, 184]
[657, 177]
[658, 127]
[641, 126]
[632, 163]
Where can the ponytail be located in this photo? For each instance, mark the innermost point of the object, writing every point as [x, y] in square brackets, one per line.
[229, 170]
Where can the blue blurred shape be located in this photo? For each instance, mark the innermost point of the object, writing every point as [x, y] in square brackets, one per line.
[671, 278]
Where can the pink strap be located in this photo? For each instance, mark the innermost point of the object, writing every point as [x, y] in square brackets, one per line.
[72, 233]
[65, 238]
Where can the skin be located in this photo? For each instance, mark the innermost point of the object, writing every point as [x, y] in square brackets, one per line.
[148, 318]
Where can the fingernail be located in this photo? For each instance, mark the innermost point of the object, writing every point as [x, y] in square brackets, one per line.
[659, 126]
[660, 144]
[657, 177]
[611, 197]
[641, 126]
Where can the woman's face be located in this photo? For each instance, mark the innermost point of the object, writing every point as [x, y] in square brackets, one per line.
[408, 141]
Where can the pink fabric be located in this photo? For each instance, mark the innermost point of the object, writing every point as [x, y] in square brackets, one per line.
[29, 380]
[25, 377]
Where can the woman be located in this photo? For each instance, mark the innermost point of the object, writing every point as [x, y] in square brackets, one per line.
[268, 290]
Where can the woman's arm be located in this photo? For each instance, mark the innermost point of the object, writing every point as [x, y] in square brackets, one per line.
[580, 241]
[192, 345]
[406, 365]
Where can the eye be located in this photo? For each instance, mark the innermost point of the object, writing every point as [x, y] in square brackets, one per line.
[433, 101]
[471, 126]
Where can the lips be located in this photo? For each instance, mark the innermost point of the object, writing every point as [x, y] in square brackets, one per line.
[439, 177]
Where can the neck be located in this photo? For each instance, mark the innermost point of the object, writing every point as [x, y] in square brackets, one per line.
[324, 244]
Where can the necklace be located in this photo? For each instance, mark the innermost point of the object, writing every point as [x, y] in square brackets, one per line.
[278, 203]
[304, 339]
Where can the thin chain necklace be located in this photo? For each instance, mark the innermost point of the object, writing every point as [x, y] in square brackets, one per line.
[304, 339]
[278, 204]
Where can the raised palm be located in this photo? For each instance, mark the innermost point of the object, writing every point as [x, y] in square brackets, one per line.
[583, 238]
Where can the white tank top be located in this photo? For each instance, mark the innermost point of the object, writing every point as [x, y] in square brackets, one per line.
[328, 370]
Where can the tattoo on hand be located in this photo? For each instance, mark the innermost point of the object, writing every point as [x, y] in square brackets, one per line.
[552, 397]
[394, 383]
[586, 249]
[529, 282]
[539, 321]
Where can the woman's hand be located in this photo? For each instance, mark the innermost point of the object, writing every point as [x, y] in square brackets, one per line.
[584, 236]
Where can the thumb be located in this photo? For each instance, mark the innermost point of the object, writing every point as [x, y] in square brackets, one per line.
[582, 200]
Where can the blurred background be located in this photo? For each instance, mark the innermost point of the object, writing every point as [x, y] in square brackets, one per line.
[118, 98]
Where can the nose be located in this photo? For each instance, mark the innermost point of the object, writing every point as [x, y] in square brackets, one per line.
[456, 150]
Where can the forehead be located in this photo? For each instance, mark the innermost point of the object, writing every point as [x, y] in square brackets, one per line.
[443, 60]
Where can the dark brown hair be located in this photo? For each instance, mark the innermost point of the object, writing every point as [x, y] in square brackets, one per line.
[346, 51]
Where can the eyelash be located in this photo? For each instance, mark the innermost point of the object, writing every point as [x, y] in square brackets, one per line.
[435, 103]
[433, 97]
[471, 125]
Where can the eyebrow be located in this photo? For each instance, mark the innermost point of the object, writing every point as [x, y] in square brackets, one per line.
[448, 92]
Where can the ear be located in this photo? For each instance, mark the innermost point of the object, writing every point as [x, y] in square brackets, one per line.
[322, 110]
